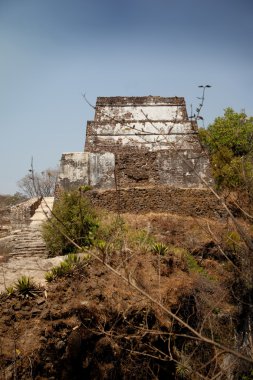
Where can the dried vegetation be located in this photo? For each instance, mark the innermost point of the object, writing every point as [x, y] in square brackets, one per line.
[91, 324]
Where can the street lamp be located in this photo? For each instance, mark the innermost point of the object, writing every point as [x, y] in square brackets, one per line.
[202, 98]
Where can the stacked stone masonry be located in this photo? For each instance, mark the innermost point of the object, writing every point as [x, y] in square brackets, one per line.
[138, 141]
[18, 216]
[190, 202]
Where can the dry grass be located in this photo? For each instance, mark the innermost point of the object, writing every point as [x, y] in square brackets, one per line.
[106, 314]
[182, 231]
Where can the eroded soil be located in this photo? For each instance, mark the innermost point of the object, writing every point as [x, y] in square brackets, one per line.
[93, 324]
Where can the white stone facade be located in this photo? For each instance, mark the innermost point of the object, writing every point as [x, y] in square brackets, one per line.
[138, 141]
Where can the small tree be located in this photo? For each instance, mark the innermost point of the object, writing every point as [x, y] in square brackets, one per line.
[72, 217]
[43, 184]
[230, 143]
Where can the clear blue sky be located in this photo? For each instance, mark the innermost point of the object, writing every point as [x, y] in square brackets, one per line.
[54, 50]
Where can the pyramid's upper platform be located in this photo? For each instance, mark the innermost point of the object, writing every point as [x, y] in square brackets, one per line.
[139, 100]
[140, 108]
[142, 122]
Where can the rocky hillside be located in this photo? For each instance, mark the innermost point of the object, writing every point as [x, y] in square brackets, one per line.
[158, 297]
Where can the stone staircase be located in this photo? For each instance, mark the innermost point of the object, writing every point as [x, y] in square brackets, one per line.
[28, 240]
[27, 255]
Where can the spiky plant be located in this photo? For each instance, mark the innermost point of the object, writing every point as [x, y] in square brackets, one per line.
[160, 249]
[26, 287]
[183, 368]
[72, 263]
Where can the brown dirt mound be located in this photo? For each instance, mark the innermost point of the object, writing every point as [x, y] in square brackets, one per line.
[93, 325]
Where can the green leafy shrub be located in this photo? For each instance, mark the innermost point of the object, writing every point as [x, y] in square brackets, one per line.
[103, 246]
[192, 264]
[229, 142]
[72, 264]
[74, 217]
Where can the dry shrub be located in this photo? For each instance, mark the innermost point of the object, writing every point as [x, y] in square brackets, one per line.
[184, 231]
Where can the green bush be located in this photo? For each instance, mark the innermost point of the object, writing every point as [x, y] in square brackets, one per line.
[103, 246]
[74, 217]
[229, 142]
[193, 264]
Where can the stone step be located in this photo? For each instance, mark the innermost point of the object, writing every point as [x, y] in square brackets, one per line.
[38, 238]
[31, 235]
[30, 248]
[30, 243]
[28, 253]
[33, 249]
[29, 240]
[26, 243]
[27, 249]
[23, 257]
[27, 232]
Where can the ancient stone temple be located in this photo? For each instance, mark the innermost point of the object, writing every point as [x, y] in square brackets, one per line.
[138, 142]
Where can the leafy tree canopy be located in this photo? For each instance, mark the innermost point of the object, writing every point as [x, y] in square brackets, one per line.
[229, 141]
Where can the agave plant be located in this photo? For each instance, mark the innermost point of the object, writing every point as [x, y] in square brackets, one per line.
[183, 370]
[160, 249]
[26, 287]
[67, 267]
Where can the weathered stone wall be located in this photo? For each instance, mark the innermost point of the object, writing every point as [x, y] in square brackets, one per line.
[20, 214]
[17, 216]
[173, 168]
[138, 141]
[110, 137]
[84, 168]
[192, 202]
[73, 170]
[146, 123]
[141, 108]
